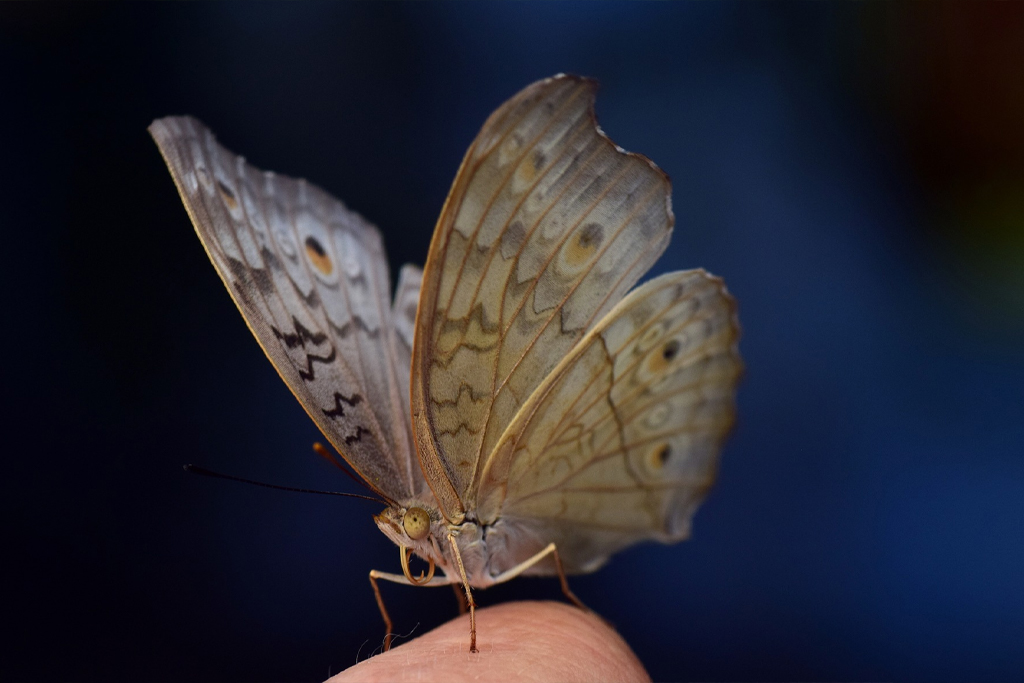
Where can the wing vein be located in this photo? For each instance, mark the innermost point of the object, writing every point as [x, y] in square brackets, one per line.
[495, 149]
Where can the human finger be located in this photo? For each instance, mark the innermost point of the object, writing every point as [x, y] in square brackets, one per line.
[521, 641]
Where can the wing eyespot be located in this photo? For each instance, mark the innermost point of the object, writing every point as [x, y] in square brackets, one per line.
[670, 350]
[659, 359]
[227, 195]
[584, 245]
[318, 256]
[659, 457]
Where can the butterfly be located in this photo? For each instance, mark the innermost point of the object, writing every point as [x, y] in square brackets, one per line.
[518, 405]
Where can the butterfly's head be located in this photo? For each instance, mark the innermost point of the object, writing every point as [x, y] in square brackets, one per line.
[409, 526]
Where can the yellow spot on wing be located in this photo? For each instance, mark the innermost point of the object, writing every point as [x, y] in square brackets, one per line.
[318, 256]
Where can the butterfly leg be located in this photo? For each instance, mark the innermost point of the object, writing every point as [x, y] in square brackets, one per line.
[469, 593]
[374, 575]
[566, 591]
[395, 578]
[550, 549]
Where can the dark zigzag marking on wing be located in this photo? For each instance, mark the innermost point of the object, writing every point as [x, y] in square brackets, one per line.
[464, 388]
[257, 279]
[358, 436]
[308, 374]
[338, 410]
[262, 281]
[356, 323]
[299, 338]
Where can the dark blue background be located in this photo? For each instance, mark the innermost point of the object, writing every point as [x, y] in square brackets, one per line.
[855, 172]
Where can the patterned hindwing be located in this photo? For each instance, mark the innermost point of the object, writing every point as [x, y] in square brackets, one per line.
[311, 281]
[620, 443]
[546, 227]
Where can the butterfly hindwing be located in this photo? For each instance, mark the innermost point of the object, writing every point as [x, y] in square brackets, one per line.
[620, 443]
[311, 281]
[546, 227]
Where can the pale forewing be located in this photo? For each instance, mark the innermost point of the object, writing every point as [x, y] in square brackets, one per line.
[311, 281]
[403, 317]
[620, 443]
[547, 225]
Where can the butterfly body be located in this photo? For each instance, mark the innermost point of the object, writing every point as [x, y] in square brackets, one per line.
[520, 406]
[486, 551]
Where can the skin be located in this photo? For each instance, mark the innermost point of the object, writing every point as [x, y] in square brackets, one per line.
[518, 641]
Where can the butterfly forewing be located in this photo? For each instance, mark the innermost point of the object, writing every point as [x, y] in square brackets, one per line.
[620, 442]
[547, 225]
[311, 280]
[403, 316]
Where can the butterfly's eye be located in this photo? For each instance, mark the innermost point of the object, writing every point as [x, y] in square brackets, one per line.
[417, 523]
[318, 255]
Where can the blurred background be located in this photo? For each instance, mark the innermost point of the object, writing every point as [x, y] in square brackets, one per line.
[854, 171]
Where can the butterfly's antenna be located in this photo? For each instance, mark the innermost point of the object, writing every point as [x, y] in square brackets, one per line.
[196, 469]
[322, 451]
